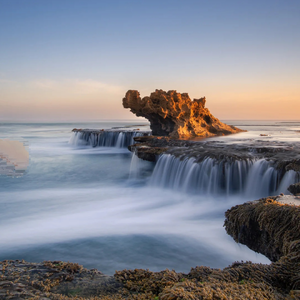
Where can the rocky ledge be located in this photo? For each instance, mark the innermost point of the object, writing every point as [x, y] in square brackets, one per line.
[285, 156]
[271, 226]
[175, 115]
[53, 280]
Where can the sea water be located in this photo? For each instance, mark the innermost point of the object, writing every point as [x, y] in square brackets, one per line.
[99, 207]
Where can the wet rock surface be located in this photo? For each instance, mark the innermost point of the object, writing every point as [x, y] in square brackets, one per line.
[175, 115]
[272, 228]
[295, 189]
[285, 156]
[52, 280]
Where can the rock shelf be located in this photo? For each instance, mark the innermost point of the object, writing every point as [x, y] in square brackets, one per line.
[285, 156]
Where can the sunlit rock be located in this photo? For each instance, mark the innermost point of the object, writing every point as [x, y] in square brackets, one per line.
[175, 115]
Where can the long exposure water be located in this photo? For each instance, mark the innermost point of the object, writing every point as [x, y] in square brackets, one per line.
[101, 208]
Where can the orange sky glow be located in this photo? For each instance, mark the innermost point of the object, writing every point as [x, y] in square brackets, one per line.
[69, 61]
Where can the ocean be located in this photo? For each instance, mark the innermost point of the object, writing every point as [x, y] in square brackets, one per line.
[104, 208]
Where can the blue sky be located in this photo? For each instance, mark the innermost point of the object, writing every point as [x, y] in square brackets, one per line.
[75, 59]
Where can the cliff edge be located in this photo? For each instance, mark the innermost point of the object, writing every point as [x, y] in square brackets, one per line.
[175, 115]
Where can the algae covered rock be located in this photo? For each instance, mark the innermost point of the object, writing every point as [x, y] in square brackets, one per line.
[272, 228]
[265, 226]
[175, 115]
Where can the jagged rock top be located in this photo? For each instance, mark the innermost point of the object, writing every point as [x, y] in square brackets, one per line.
[175, 115]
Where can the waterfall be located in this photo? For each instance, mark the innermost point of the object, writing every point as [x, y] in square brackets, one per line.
[135, 168]
[118, 139]
[250, 178]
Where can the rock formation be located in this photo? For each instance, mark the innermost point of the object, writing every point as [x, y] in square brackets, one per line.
[294, 189]
[271, 227]
[175, 115]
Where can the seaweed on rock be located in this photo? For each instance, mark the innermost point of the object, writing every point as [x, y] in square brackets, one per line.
[266, 226]
[273, 229]
[201, 283]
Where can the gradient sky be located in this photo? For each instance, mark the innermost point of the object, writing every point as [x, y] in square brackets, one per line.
[74, 60]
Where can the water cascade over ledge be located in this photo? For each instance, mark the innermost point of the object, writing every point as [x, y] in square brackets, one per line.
[250, 178]
[118, 139]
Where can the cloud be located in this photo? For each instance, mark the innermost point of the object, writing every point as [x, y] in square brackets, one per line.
[62, 99]
[43, 84]
[5, 81]
[82, 86]
[96, 86]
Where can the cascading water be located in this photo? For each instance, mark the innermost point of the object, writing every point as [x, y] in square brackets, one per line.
[140, 169]
[250, 178]
[118, 139]
[84, 199]
[134, 171]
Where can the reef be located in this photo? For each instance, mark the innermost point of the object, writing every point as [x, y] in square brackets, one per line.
[175, 115]
[61, 281]
[53, 280]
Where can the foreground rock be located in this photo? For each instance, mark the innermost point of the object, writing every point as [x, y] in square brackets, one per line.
[175, 115]
[266, 226]
[271, 227]
[53, 280]
[62, 281]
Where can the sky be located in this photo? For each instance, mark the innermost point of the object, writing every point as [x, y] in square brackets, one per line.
[74, 60]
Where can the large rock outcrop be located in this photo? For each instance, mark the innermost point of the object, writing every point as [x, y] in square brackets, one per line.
[175, 115]
[271, 227]
[268, 226]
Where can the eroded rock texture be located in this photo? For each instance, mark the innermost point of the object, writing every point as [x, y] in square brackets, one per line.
[266, 226]
[175, 115]
[272, 228]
